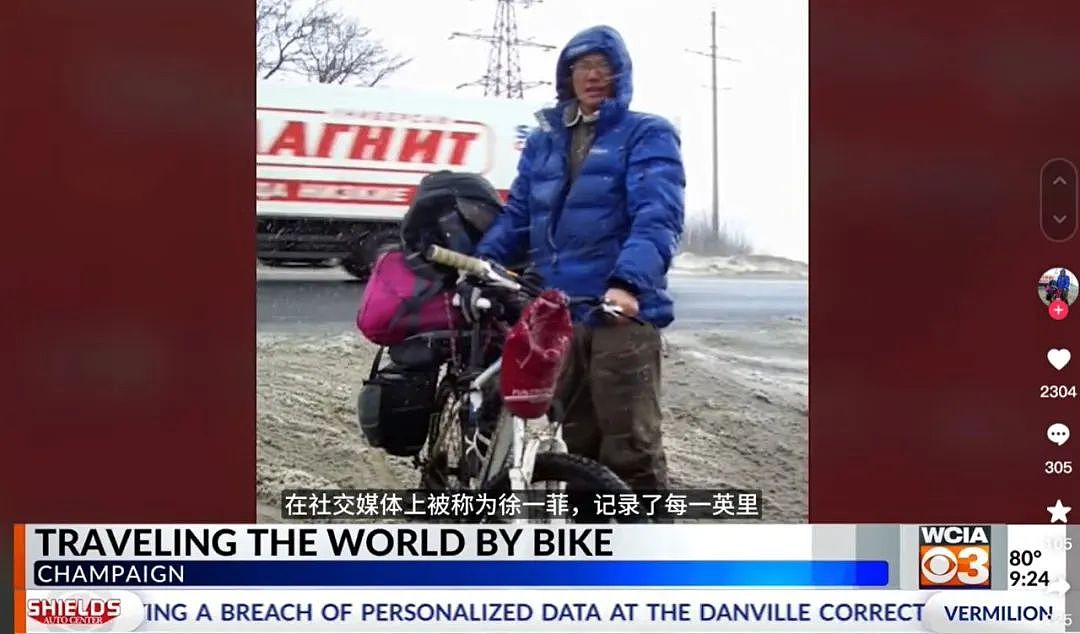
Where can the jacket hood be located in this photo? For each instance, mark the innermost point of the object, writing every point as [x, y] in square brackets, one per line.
[597, 39]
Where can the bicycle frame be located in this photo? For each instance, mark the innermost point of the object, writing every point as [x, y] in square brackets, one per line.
[516, 441]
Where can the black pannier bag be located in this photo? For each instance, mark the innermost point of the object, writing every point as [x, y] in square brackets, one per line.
[395, 406]
[451, 210]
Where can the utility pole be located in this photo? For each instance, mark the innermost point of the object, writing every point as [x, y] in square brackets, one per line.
[715, 130]
[713, 55]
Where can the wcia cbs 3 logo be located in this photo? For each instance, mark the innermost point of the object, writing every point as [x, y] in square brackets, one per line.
[954, 557]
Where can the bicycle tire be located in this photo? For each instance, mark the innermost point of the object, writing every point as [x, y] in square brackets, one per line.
[581, 475]
[435, 475]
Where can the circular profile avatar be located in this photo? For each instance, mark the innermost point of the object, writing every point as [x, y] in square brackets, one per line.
[1058, 284]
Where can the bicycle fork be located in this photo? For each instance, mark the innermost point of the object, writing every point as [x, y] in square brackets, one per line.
[524, 446]
[524, 449]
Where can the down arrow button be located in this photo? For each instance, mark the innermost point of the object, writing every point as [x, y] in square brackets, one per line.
[1058, 201]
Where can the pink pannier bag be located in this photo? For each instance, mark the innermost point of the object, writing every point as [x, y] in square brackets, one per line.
[397, 303]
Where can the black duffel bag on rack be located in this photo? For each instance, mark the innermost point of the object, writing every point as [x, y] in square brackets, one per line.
[395, 406]
[452, 210]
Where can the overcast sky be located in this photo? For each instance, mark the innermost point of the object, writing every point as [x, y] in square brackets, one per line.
[763, 129]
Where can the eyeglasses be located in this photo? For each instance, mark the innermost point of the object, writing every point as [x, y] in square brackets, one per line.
[584, 66]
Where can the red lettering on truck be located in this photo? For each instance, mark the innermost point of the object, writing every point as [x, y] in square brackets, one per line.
[292, 139]
[378, 139]
[334, 192]
[422, 142]
[461, 145]
[373, 143]
[329, 135]
[277, 190]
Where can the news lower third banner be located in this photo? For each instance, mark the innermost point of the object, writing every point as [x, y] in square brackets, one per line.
[542, 578]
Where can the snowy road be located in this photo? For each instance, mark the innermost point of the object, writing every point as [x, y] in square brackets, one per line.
[314, 301]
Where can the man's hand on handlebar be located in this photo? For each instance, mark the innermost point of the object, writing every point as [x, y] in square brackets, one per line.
[470, 299]
[625, 301]
[483, 280]
[531, 279]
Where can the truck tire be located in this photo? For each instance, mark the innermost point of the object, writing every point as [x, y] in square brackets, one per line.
[365, 255]
[357, 268]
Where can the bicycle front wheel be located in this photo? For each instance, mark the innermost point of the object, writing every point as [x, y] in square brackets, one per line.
[584, 479]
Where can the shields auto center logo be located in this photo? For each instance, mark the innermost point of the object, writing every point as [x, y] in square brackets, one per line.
[84, 611]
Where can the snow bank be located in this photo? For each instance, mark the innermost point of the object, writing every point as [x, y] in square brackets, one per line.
[741, 266]
[734, 402]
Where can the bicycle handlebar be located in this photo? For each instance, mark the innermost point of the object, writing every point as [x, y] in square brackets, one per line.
[460, 261]
[485, 269]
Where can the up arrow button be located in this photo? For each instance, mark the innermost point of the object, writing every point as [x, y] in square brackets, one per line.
[1058, 201]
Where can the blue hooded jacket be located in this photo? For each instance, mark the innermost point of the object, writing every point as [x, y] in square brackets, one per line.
[1063, 281]
[621, 219]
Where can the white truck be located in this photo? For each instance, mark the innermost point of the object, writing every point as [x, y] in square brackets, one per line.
[336, 166]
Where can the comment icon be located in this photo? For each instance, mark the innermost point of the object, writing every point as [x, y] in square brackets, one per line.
[1058, 433]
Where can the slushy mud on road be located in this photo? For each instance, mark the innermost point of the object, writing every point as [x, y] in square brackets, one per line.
[735, 414]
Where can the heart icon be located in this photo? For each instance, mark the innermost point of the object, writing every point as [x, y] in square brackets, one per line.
[1059, 358]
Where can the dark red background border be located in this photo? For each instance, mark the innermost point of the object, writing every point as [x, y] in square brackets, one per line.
[929, 123]
[129, 294]
[128, 391]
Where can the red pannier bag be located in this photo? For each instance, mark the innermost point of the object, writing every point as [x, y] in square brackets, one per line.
[397, 303]
[534, 354]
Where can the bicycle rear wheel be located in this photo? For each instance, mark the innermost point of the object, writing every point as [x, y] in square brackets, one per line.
[584, 478]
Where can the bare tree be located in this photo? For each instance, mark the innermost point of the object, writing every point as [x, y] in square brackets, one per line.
[324, 45]
[280, 33]
[345, 51]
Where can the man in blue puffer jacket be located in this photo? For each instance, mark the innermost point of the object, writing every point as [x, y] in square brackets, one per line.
[1063, 283]
[597, 209]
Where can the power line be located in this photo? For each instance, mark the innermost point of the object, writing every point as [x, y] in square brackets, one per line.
[503, 76]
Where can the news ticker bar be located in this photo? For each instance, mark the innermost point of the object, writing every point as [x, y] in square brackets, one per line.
[475, 506]
[531, 610]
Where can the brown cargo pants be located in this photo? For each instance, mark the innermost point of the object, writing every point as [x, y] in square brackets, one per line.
[610, 391]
